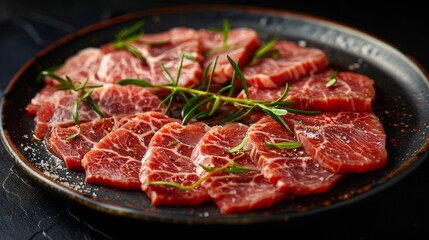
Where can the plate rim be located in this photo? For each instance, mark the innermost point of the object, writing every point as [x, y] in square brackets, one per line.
[71, 195]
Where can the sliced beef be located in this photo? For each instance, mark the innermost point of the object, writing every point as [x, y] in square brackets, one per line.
[166, 48]
[54, 108]
[115, 160]
[241, 43]
[294, 63]
[41, 98]
[291, 170]
[168, 159]
[80, 67]
[344, 142]
[351, 92]
[233, 192]
[121, 64]
[72, 151]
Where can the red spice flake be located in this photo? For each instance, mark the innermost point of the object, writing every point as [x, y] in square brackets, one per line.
[393, 142]
[395, 124]
[402, 131]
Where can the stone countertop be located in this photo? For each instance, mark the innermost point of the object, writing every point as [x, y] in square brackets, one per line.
[30, 212]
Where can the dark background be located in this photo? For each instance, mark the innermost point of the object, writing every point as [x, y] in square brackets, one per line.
[30, 212]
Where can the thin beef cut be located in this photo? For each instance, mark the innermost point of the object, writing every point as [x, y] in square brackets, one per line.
[54, 108]
[80, 67]
[115, 160]
[294, 63]
[291, 170]
[168, 160]
[241, 42]
[159, 48]
[351, 92]
[233, 192]
[343, 142]
[72, 151]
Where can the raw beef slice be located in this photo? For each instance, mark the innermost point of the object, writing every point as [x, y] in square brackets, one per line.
[351, 92]
[72, 151]
[344, 142]
[233, 192]
[291, 170]
[115, 160]
[55, 107]
[168, 159]
[242, 42]
[294, 62]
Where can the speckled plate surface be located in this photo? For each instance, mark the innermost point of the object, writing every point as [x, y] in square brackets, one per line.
[401, 103]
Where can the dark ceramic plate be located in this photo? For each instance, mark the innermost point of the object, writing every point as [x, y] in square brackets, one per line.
[402, 105]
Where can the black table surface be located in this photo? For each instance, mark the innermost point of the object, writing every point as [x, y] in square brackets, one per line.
[28, 211]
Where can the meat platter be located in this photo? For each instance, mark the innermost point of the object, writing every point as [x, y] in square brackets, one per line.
[398, 90]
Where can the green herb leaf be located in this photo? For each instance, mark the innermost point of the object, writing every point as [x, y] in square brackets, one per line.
[302, 112]
[74, 135]
[207, 169]
[136, 82]
[240, 75]
[215, 106]
[95, 106]
[48, 72]
[265, 47]
[239, 169]
[239, 147]
[212, 74]
[75, 112]
[189, 105]
[127, 36]
[135, 52]
[332, 79]
[233, 82]
[202, 114]
[170, 184]
[276, 118]
[283, 145]
[226, 30]
[130, 31]
[193, 110]
[266, 51]
[237, 116]
[189, 56]
[204, 77]
[179, 71]
[282, 96]
[165, 70]
[168, 98]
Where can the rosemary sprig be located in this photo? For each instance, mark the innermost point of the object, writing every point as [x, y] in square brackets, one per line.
[225, 30]
[229, 167]
[130, 35]
[332, 79]
[239, 147]
[201, 103]
[66, 84]
[127, 36]
[266, 51]
[283, 145]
